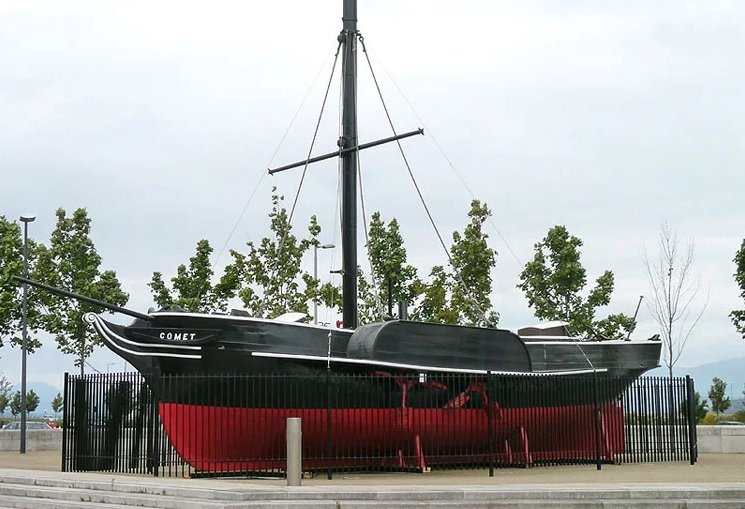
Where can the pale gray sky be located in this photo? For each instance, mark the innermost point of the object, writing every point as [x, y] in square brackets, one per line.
[160, 118]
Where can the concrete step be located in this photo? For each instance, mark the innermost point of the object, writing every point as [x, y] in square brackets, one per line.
[31, 490]
[26, 502]
[231, 491]
[103, 496]
[14, 502]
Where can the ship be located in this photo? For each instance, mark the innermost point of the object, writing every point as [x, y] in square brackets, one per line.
[188, 358]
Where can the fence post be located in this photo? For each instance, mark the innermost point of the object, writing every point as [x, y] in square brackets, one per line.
[692, 435]
[596, 397]
[294, 466]
[65, 422]
[152, 449]
[81, 448]
[489, 422]
[328, 421]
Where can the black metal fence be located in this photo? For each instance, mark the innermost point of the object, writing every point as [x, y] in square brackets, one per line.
[220, 425]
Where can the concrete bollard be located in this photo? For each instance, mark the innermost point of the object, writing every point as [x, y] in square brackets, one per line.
[294, 451]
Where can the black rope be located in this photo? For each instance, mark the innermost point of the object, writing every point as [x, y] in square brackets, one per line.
[475, 303]
[313, 142]
[452, 165]
[219, 254]
[305, 168]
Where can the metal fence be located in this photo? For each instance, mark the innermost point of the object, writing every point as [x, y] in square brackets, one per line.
[235, 425]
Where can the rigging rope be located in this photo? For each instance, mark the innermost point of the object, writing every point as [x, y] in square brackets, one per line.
[452, 165]
[376, 288]
[305, 167]
[460, 177]
[310, 150]
[263, 174]
[474, 303]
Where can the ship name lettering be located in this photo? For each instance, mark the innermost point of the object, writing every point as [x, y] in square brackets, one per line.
[178, 335]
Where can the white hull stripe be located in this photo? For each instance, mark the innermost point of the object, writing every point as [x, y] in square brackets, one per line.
[417, 367]
[110, 337]
[96, 320]
[585, 344]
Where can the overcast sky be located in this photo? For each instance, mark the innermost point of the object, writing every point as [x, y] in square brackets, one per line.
[161, 118]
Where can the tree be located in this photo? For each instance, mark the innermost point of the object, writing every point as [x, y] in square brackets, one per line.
[192, 287]
[552, 283]
[700, 407]
[388, 260]
[72, 263]
[15, 404]
[369, 303]
[5, 388]
[434, 305]
[268, 277]
[460, 295]
[32, 401]
[57, 404]
[390, 272]
[673, 294]
[738, 316]
[472, 261]
[720, 402]
[11, 264]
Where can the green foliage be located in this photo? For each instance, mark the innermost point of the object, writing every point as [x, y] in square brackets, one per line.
[11, 264]
[472, 261]
[57, 404]
[192, 287]
[435, 305]
[738, 316]
[15, 403]
[32, 401]
[710, 419]
[5, 388]
[388, 259]
[720, 402]
[369, 303]
[737, 416]
[462, 296]
[552, 283]
[387, 255]
[72, 263]
[268, 276]
[701, 407]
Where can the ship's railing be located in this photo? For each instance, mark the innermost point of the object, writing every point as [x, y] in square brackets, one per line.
[235, 425]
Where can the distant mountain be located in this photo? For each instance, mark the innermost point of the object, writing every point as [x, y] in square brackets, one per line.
[732, 371]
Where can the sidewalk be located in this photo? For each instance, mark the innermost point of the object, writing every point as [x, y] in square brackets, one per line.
[711, 468]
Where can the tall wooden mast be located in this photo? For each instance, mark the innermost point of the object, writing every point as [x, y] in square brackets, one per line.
[348, 37]
[349, 148]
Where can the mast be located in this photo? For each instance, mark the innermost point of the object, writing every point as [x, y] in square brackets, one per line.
[349, 148]
[348, 37]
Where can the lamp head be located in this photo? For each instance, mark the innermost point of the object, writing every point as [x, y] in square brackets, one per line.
[28, 218]
[327, 246]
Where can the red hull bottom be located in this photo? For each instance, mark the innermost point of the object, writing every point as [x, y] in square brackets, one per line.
[230, 439]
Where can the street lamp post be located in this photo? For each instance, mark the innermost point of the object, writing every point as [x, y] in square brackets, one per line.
[24, 319]
[315, 275]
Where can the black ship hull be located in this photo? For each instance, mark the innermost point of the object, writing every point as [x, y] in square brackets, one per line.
[195, 345]
[224, 384]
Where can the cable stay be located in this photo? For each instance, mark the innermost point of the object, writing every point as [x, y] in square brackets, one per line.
[262, 175]
[452, 166]
[474, 303]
